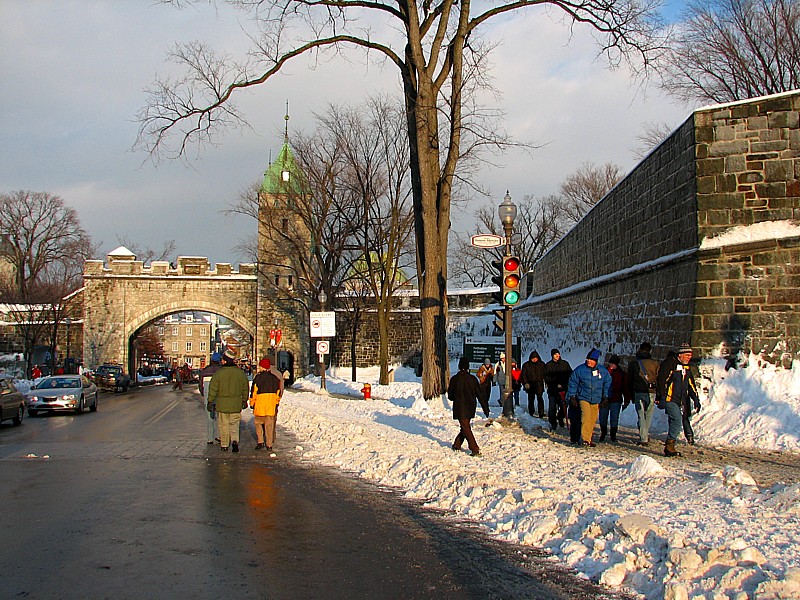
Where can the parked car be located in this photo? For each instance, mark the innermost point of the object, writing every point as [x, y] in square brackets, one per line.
[13, 402]
[62, 393]
[111, 377]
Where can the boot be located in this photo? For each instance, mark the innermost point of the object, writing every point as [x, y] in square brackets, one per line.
[614, 434]
[690, 440]
[603, 431]
[669, 448]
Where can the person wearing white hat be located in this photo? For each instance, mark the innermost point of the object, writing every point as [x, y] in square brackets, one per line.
[507, 402]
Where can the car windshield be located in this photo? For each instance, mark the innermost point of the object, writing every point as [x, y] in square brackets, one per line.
[55, 383]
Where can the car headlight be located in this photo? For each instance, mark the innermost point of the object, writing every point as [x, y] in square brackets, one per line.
[33, 399]
[68, 397]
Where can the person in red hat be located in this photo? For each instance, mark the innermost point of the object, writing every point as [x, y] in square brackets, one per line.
[264, 400]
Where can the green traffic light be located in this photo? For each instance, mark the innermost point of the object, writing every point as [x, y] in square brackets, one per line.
[512, 297]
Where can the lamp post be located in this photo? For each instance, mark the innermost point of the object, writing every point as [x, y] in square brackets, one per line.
[67, 363]
[323, 299]
[507, 212]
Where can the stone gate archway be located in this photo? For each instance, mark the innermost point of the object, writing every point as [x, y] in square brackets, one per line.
[122, 297]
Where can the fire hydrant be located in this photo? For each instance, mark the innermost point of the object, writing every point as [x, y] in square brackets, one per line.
[367, 391]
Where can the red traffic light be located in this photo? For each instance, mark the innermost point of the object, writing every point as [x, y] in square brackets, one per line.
[511, 263]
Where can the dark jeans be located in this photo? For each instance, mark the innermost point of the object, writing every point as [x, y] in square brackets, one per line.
[483, 397]
[508, 403]
[687, 426]
[466, 434]
[555, 408]
[674, 419]
[536, 391]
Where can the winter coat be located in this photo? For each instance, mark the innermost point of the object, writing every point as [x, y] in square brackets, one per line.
[556, 376]
[676, 383]
[229, 389]
[516, 375]
[205, 378]
[532, 372]
[500, 373]
[485, 374]
[619, 390]
[636, 381]
[265, 396]
[590, 385]
[463, 391]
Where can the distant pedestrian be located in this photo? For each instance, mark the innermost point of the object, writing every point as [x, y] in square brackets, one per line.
[617, 399]
[516, 386]
[229, 390]
[642, 375]
[203, 385]
[264, 400]
[463, 391]
[677, 393]
[532, 380]
[589, 385]
[485, 377]
[506, 401]
[556, 378]
[178, 384]
[36, 373]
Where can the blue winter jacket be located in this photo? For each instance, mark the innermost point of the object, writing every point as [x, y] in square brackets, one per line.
[590, 385]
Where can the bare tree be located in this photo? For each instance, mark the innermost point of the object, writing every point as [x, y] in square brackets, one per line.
[437, 53]
[147, 254]
[539, 225]
[726, 50]
[585, 187]
[650, 136]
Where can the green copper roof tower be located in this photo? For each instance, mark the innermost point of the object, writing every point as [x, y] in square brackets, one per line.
[283, 177]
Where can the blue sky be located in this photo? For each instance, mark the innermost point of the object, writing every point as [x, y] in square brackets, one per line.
[75, 71]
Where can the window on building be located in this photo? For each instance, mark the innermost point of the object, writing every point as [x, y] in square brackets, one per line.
[175, 330]
[160, 330]
[289, 281]
[277, 280]
[203, 331]
[188, 331]
[189, 318]
[188, 346]
[203, 346]
[174, 346]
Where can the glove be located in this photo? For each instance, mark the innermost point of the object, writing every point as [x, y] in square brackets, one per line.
[527, 386]
[209, 407]
[604, 402]
[574, 402]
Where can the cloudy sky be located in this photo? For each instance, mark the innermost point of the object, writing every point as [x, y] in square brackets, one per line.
[75, 72]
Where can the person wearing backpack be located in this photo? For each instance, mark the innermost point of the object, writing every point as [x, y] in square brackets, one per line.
[642, 376]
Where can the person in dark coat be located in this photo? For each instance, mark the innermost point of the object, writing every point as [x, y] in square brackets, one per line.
[556, 378]
[616, 401]
[204, 381]
[485, 377]
[532, 380]
[677, 391]
[463, 391]
[642, 375]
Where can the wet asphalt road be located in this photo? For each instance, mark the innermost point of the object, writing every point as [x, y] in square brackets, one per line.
[132, 503]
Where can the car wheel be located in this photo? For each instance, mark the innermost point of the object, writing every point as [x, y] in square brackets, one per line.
[17, 419]
[93, 407]
[32, 413]
[79, 407]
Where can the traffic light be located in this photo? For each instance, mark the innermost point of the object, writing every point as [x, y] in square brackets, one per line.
[499, 319]
[498, 280]
[511, 280]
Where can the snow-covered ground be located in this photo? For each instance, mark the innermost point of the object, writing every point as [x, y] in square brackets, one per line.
[651, 525]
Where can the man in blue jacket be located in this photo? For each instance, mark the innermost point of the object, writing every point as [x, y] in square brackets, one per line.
[589, 385]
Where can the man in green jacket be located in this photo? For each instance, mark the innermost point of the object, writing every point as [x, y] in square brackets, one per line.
[228, 391]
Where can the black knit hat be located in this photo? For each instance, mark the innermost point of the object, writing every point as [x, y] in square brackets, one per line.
[684, 348]
[463, 363]
[554, 351]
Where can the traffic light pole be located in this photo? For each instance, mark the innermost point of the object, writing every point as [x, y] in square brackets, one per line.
[508, 228]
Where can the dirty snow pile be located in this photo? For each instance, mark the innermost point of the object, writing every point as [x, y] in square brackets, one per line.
[651, 525]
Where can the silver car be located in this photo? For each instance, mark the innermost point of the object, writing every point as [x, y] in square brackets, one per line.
[62, 392]
[12, 402]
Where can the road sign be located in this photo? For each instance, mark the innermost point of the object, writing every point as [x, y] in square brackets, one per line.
[487, 240]
[323, 324]
[323, 347]
[477, 348]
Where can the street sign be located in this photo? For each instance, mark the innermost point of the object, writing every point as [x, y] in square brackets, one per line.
[323, 347]
[477, 348]
[323, 324]
[487, 240]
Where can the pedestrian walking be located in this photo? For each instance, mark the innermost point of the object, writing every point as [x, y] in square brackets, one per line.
[556, 378]
[516, 386]
[589, 385]
[532, 380]
[178, 379]
[617, 400]
[212, 433]
[36, 373]
[264, 400]
[506, 401]
[463, 391]
[485, 377]
[642, 375]
[229, 390]
[677, 393]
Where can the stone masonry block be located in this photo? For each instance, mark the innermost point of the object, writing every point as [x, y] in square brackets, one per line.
[735, 164]
[736, 147]
[710, 166]
[779, 170]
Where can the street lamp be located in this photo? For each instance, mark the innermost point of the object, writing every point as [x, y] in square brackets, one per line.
[67, 363]
[507, 212]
